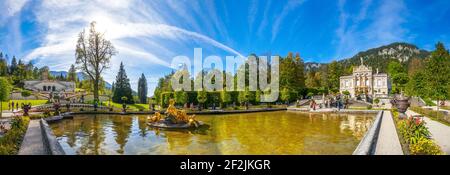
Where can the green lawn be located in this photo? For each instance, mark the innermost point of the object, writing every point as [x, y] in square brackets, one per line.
[132, 107]
[433, 115]
[445, 107]
[33, 103]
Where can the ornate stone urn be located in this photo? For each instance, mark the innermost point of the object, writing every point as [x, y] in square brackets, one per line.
[402, 104]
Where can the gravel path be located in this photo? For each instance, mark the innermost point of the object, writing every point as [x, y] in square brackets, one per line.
[439, 132]
[388, 142]
[33, 143]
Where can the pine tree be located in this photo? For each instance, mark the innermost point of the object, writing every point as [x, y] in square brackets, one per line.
[142, 89]
[122, 87]
[13, 66]
[36, 73]
[3, 65]
[300, 75]
[113, 87]
[72, 74]
[29, 70]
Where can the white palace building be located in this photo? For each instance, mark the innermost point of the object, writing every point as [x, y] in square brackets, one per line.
[49, 86]
[364, 83]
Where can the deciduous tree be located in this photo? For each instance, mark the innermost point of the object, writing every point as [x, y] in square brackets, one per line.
[93, 54]
[5, 89]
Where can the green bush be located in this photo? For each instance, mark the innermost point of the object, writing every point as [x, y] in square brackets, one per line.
[26, 93]
[428, 102]
[424, 146]
[46, 113]
[10, 142]
[413, 129]
[369, 107]
[376, 101]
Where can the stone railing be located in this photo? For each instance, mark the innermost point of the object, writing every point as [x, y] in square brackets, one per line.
[72, 106]
[369, 142]
[51, 145]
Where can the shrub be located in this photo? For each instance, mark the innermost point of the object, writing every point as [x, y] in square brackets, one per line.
[10, 142]
[369, 107]
[376, 101]
[424, 147]
[428, 102]
[25, 93]
[46, 113]
[413, 129]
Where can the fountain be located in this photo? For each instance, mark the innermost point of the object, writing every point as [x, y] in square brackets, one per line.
[402, 104]
[175, 119]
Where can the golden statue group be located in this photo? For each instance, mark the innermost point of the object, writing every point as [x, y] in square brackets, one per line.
[174, 118]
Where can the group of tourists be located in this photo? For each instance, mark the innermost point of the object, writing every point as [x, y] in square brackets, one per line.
[15, 105]
[338, 102]
[11, 106]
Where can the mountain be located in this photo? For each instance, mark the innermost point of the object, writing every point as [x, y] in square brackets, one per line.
[80, 76]
[313, 66]
[380, 57]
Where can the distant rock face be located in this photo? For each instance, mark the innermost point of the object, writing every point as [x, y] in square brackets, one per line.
[381, 56]
[402, 52]
[312, 66]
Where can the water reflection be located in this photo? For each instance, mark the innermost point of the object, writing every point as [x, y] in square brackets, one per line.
[282, 132]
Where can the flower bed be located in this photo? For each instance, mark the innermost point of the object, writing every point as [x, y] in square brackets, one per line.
[415, 136]
[10, 142]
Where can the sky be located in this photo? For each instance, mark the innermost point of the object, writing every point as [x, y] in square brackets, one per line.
[148, 33]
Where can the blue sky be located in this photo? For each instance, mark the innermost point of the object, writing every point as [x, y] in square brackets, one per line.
[148, 34]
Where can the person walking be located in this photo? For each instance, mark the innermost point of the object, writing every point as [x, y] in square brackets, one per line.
[17, 106]
[9, 106]
[12, 104]
[338, 102]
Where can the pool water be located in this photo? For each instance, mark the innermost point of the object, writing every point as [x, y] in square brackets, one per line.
[282, 132]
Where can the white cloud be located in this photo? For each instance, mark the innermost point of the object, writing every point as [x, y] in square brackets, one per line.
[369, 28]
[288, 8]
[13, 6]
[144, 33]
[252, 12]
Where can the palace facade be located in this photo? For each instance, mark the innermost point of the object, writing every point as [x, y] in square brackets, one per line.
[365, 84]
[48, 86]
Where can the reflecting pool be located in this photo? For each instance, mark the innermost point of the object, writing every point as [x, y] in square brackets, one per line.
[282, 132]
